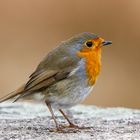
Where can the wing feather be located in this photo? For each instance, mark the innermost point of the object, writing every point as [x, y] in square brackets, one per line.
[55, 67]
[44, 76]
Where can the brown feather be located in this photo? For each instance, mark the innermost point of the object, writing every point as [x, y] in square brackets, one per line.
[13, 94]
[39, 78]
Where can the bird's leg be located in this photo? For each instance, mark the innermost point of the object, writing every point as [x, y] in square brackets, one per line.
[71, 125]
[53, 116]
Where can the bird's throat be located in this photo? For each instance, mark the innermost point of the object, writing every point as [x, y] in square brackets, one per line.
[92, 65]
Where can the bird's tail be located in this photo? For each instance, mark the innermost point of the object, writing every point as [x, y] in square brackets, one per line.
[11, 95]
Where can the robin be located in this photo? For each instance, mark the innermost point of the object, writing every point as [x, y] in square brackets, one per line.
[66, 76]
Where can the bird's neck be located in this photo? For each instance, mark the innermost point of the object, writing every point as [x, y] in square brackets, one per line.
[92, 65]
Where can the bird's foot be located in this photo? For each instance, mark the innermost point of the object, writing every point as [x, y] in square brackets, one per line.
[74, 126]
[66, 129]
[70, 126]
[57, 130]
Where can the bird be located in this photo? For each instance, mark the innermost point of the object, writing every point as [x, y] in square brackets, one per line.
[66, 76]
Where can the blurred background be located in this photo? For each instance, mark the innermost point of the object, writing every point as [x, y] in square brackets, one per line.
[29, 29]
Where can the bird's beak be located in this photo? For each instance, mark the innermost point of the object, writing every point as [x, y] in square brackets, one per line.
[105, 43]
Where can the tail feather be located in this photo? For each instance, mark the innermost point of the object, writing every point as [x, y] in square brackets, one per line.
[12, 94]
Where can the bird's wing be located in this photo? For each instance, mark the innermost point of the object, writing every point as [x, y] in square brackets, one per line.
[55, 67]
[43, 78]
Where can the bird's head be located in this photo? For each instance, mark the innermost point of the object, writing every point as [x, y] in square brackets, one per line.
[88, 46]
[94, 44]
[89, 43]
[86, 43]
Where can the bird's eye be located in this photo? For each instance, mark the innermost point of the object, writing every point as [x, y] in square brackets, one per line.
[89, 44]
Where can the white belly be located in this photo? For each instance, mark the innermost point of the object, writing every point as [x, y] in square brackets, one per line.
[70, 99]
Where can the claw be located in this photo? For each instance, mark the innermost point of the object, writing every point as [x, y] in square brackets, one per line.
[69, 126]
[58, 130]
[64, 130]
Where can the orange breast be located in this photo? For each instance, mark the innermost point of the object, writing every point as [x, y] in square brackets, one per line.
[93, 64]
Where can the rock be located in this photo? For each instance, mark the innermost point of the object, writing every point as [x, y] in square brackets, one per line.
[24, 121]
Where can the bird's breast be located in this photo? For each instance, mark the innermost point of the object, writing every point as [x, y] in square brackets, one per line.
[92, 65]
